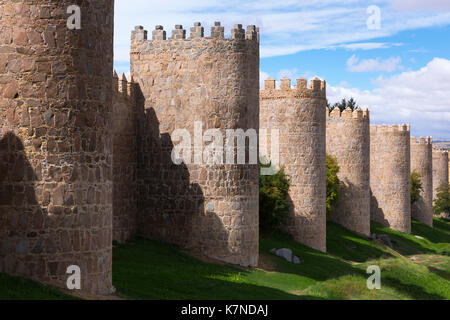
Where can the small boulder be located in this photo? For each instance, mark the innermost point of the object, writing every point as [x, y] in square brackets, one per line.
[296, 260]
[283, 253]
[419, 237]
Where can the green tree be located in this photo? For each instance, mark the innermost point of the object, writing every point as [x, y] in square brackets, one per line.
[442, 201]
[333, 191]
[343, 104]
[352, 104]
[273, 201]
[416, 186]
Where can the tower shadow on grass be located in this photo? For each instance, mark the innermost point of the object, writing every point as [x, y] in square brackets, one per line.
[412, 290]
[148, 269]
[435, 240]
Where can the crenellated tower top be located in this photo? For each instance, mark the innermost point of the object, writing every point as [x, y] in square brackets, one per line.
[389, 128]
[316, 88]
[424, 141]
[348, 113]
[139, 34]
[124, 87]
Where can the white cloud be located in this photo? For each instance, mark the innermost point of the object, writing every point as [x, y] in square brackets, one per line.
[417, 97]
[407, 5]
[367, 45]
[370, 65]
[286, 27]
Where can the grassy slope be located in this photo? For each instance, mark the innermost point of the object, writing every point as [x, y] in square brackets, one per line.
[415, 269]
[144, 269]
[16, 288]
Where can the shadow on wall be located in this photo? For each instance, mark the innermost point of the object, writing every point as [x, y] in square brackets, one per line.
[21, 217]
[171, 207]
[353, 208]
[377, 213]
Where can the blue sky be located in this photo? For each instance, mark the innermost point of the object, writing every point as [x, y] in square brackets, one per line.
[399, 70]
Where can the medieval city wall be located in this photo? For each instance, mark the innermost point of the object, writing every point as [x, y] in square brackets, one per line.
[210, 208]
[299, 115]
[390, 176]
[348, 139]
[124, 160]
[422, 163]
[440, 169]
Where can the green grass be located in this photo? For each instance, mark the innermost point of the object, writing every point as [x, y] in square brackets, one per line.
[16, 288]
[414, 269]
[145, 269]
[436, 239]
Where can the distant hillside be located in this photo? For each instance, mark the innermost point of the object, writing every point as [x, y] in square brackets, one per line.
[441, 144]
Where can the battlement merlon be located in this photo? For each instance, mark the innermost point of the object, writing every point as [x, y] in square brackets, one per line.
[422, 140]
[123, 87]
[389, 128]
[139, 34]
[349, 114]
[316, 88]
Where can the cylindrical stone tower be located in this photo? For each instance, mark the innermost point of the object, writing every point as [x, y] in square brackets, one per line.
[201, 87]
[440, 169]
[55, 141]
[348, 139]
[390, 202]
[299, 115]
[422, 163]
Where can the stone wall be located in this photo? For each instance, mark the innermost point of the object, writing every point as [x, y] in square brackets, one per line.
[422, 163]
[299, 115]
[55, 142]
[348, 139]
[390, 202]
[124, 160]
[209, 208]
[440, 169]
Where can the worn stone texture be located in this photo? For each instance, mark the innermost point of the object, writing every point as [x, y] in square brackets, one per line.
[55, 142]
[212, 209]
[124, 160]
[390, 166]
[440, 169]
[348, 139]
[422, 163]
[299, 115]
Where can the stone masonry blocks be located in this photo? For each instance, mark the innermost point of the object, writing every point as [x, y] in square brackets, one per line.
[299, 115]
[390, 176]
[440, 169]
[124, 160]
[422, 163]
[348, 139]
[212, 209]
[55, 142]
